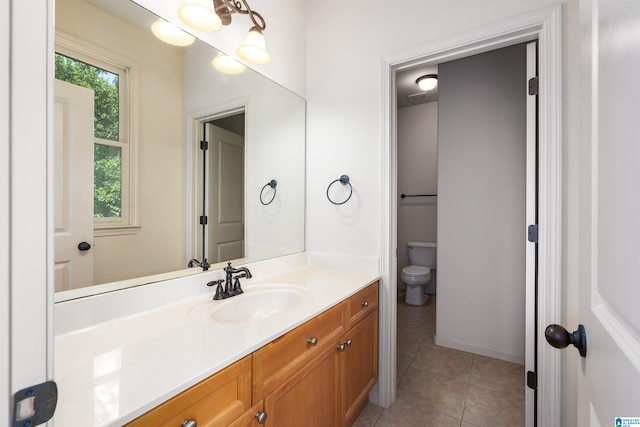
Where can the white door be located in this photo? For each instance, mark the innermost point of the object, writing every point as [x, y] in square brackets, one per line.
[609, 377]
[73, 186]
[226, 195]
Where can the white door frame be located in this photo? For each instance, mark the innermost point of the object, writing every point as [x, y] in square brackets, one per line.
[26, 263]
[544, 25]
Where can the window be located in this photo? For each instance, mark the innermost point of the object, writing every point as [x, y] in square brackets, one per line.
[114, 201]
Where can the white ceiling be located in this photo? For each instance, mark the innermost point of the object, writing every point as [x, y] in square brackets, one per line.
[406, 85]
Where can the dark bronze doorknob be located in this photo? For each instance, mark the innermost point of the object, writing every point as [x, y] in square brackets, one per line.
[559, 337]
[84, 246]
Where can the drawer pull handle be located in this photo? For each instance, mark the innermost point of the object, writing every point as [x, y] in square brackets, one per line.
[189, 423]
[341, 347]
[313, 341]
[347, 343]
[365, 304]
[261, 417]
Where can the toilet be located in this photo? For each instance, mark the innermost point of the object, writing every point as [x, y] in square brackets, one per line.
[422, 256]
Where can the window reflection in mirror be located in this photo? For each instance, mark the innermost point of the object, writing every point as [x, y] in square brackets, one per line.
[144, 189]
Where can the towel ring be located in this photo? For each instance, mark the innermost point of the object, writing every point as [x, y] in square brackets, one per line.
[344, 180]
[271, 184]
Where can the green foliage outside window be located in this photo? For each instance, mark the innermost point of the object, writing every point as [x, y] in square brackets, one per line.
[107, 159]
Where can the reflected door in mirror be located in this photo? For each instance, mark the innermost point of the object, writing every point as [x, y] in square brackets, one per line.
[73, 185]
[226, 195]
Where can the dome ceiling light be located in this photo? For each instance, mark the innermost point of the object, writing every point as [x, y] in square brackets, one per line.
[427, 82]
[211, 15]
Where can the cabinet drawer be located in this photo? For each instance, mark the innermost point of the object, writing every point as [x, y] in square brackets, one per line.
[216, 401]
[250, 418]
[274, 363]
[363, 303]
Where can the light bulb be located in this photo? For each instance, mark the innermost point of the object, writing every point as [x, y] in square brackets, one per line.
[227, 64]
[200, 15]
[253, 49]
[171, 34]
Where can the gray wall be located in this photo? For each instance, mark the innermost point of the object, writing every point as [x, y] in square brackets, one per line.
[417, 174]
[481, 204]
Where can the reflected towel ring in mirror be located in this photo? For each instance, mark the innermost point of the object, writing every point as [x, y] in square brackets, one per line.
[271, 184]
[344, 180]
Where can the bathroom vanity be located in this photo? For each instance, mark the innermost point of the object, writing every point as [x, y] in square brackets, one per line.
[314, 359]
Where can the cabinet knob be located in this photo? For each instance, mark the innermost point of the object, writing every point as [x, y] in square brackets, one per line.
[313, 341]
[347, 343]
[261, 417]
[365, 304]
[341, 347]
[189, 423]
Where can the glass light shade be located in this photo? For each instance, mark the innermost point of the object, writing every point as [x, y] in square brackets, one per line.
[254, 49]
[171, 34]
[427, 83]
[200, 15]
[227, 64]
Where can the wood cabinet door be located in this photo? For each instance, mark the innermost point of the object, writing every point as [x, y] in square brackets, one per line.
[359, 366]
[310, 398]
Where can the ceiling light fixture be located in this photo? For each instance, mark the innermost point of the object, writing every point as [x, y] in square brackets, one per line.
[169, 33]
[211, 15]
[428, 82]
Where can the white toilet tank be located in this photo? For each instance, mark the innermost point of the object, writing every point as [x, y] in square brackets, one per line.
[422, 253]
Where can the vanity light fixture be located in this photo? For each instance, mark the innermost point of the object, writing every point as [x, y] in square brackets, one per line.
[226, 64]
[211, 15]
[427, 82]
[169, 33]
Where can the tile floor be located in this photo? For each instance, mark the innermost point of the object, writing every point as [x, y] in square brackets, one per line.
[442, 387]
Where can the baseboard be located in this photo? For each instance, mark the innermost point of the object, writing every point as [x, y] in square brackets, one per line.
[482, 351]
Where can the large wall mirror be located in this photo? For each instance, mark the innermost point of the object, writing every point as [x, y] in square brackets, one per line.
[136, 198]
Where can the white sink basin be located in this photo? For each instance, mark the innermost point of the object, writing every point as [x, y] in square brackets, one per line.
[256, 303]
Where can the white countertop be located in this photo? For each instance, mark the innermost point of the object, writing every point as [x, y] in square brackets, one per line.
[115, 371]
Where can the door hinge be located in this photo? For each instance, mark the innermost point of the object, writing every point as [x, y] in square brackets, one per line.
[533, 86]
[203, 220]
[35, 405]
[532, 233]
[204, 145]
[532, 380]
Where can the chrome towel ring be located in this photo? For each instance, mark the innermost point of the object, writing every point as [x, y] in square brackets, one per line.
[271, 184]
[344, 180]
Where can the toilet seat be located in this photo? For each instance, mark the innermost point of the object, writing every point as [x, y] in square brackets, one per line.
[414, 271]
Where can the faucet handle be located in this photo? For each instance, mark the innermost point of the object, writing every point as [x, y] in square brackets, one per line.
[237, 289]
[215, 282]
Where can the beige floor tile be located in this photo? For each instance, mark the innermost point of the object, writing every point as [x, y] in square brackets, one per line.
[497, 374]
[407, 414]
[401, 371]
[444, 361]
[369, 416]
[490, 408]
[440, 386]
[442, 393]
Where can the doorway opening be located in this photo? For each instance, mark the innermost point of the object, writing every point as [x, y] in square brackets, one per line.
[462, 171]
[543, 25]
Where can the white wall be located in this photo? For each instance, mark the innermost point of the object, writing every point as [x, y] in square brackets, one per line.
[346, 42]
[160, 165]
[481, 203]
[417, 174]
